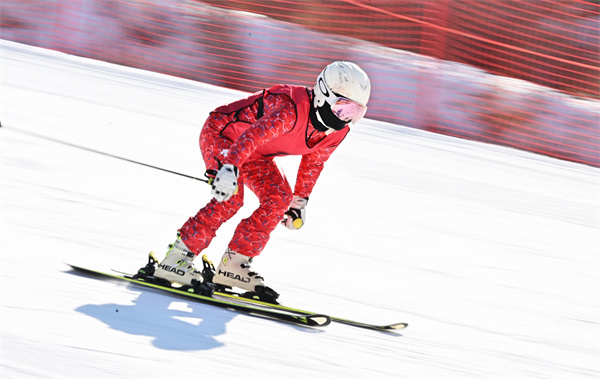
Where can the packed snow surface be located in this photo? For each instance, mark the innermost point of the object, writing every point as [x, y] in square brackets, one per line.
[489, 253]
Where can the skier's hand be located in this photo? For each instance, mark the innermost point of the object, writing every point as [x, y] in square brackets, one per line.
[295, 217]
[225, 184]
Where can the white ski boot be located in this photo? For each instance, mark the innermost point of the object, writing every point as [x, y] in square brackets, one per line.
[234, 271]
[178, 265]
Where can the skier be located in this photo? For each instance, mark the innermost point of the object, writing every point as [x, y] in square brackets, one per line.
[239, 142]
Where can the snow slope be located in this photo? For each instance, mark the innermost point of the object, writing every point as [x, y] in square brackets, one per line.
[491, 254]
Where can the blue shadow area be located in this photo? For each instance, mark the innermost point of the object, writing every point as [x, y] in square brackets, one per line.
[153, 315]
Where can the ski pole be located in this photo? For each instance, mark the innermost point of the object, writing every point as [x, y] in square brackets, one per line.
[106, 154]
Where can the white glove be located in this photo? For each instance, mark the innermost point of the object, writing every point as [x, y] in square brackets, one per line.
[295, 217]
[225, 183]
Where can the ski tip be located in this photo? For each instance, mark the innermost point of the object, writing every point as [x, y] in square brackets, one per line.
[397, 326]
[317, 320]
[77, 268]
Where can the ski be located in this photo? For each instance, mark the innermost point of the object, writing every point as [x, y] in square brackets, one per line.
[248, 304]
[244, 299]
[267, 298]
[254, 308]
[382, 328]
[240, 298]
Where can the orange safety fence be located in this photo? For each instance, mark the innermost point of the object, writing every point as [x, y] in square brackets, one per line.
[520, 73]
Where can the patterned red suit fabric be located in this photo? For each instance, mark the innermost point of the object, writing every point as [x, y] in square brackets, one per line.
[249, 133]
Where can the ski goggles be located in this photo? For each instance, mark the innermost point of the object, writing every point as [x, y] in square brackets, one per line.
[347, 110]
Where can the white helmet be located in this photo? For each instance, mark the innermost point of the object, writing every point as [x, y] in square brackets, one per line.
[341, 94]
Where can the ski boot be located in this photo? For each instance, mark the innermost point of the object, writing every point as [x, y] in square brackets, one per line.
[204, 287]
[234, 271]
[178, 265]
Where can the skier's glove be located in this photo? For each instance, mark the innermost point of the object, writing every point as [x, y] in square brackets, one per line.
[225, 184]
[295, 217]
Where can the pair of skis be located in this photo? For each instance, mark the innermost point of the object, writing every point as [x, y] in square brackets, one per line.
[245, 305]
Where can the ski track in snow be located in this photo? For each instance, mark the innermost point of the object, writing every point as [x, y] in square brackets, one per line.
[489, 253]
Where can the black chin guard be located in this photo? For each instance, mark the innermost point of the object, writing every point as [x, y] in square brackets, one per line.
[329, 119]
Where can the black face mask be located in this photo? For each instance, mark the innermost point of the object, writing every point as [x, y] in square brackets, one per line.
[329, 119]
[315, 121]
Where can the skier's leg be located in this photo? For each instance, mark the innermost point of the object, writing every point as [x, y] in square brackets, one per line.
[193, 237]
[198, 231]
[275, 195]
[252, 234]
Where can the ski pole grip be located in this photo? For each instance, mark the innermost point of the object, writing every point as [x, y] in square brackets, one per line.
[297, 222]
[296, 216]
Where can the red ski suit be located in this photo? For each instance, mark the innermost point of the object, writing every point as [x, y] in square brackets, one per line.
[249, 133]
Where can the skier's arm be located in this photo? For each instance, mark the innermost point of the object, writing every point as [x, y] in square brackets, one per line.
[310, 168]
